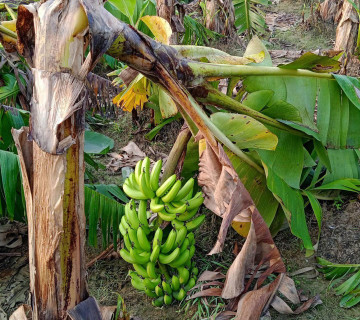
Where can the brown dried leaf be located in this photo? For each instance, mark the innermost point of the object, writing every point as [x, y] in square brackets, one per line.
[210, 275]
[288, 289]
[226, 315]
[227, 197]
[243, 263]
[282, 307]
[211, 292]
[252, 303]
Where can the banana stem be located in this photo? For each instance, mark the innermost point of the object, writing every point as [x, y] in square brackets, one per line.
[8, 32]
[164, 271]
[175, 153]
[225, 71]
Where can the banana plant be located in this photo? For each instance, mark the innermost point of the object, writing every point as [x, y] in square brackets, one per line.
[58, 139]
[249, 17]
[349, 275]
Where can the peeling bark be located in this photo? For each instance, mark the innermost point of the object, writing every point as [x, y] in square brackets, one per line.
[52, 37]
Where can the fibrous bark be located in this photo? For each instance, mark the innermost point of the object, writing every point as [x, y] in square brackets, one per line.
[53, 36]
[220, 16]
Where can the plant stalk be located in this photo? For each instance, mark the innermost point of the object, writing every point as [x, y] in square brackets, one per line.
[225, 71]
[175, 153]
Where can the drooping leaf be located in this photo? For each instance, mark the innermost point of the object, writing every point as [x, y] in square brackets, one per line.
[159, 27]
[167, 105]
[287, 160]
[151, 135]
[352, 185]
[97, 143]
[293, 205]
[313, 62]
[255, 184]
[258, 99]
[127, 7]
[9, 169]
[281, 110]
[351, 87]
[102, 210]
[245, 131]
[344, 164]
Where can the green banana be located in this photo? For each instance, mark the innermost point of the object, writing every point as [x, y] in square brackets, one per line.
[158, 302]
[187, 264]
[180, 236]
[166, 186]
[168, 299]
[142, 215]
[124, 223]
[131, 215]
[151, 284]
[179, 295]
[191, 252]
[127, 241]
[142, 238]
[155, 206]
[133, 238]
[159, 291]
[140, 270]
[184, 275]
[140, 258]
[191, 283]
[133, 193]
[167, 287]
[187, 215]
[144, 188]
[194, 203]
[191, 238]
[157, 237]
[131, 181]
[185, 245]
[177, 210]
[150, 269]
[184, 191]
[195, 271]
[126, 256]
[150, 293]
[166, 216]
[137, 171]
[122, 229]
[194, 224]
[183, 257]
[169, 243]
[155, 253]
[155, 174]
[175, 283]
[172, 192]
[136, 281]
[177, 224]
[166, 259]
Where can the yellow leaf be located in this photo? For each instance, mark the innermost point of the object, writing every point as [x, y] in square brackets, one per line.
[202, 146]
[242, 228]
[159, 27]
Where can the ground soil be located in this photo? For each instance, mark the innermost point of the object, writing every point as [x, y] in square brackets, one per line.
[107, 278]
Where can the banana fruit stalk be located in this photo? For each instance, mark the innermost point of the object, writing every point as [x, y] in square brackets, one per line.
[162, 259]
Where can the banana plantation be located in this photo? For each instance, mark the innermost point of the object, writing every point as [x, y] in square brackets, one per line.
[179, 159]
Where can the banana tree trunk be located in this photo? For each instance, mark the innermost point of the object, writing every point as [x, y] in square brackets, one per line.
[51, 37]
[220, 16]
[347, 32]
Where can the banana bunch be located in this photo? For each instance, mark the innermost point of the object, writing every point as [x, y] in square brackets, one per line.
[171, 201]
[161, 258]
